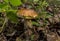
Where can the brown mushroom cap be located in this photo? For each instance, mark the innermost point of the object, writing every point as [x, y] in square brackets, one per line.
[27, 13]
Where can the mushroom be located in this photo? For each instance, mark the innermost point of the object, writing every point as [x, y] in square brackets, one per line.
[28, 15]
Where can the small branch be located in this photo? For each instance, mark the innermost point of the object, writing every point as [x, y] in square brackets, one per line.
[3, 25]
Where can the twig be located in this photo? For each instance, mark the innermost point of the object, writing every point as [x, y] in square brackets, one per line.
[3, 25]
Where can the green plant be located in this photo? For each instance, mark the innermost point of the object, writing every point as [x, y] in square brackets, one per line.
[7, 9]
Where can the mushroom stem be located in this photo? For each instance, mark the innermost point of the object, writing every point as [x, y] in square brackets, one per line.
[28, 24]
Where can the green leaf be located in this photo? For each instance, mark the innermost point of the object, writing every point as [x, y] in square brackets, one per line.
[15, 2]
[35, 23]
[6, 1]
[12, 16]
[48, 16]
[2, 5]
